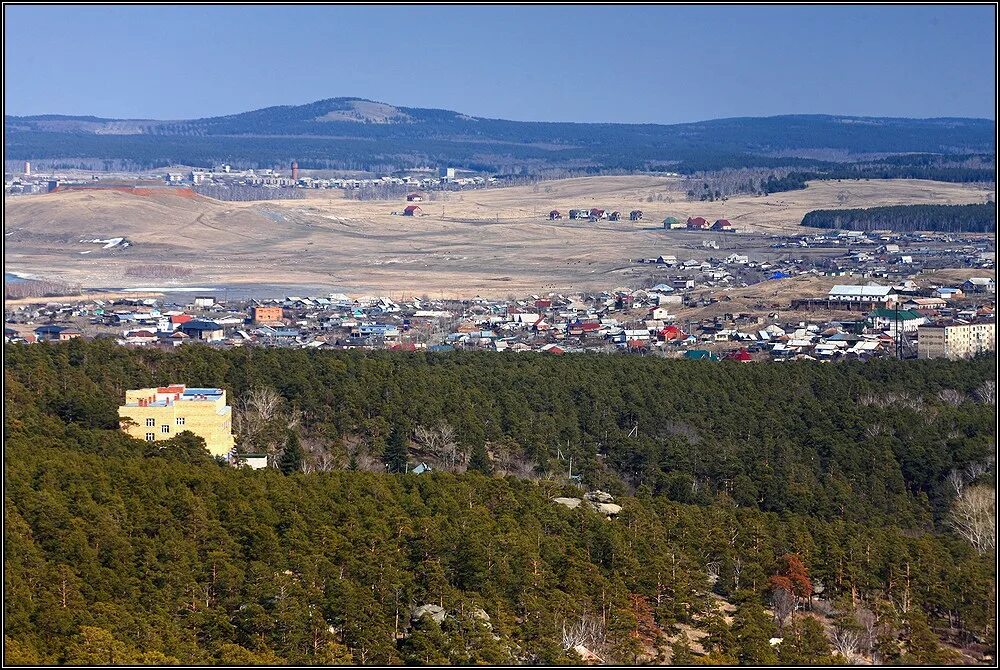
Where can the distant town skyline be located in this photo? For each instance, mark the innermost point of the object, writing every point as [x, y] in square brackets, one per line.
[631, 64]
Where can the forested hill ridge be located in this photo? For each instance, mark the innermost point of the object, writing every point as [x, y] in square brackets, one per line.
[974, 218]
[363, 134]
[836, 491]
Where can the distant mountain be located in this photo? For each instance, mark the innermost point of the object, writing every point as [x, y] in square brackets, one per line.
[353, 133]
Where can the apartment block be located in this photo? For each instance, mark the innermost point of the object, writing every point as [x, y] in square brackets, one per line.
[962, 340]
[159, 413]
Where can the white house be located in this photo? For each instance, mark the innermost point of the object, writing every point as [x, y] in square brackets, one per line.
[948, 293]
[660, 313]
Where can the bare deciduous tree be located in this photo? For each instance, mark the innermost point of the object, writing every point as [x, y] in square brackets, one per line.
[869, 623]
[782, 604]
[957, 480]
[952, 397]
[258, 414]
[974, 517]
[974, 471]
[876, 429]
[441, 442]
[847, 642]
[987, 393]
[587, 630]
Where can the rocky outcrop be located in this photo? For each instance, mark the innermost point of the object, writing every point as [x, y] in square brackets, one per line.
[598, 501]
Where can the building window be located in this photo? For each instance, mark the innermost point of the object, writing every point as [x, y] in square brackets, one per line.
[180, 421]
[165, 428]
[150, 423]
[150, 437]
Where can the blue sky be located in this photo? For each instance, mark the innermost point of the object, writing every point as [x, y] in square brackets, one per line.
[635, 64]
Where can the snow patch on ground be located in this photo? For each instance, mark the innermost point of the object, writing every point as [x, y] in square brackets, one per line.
[108, 243]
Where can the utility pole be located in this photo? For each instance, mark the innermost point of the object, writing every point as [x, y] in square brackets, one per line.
[899, 335]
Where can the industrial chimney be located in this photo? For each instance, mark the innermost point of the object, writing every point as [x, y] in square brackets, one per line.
[27, 169]
[295, 171]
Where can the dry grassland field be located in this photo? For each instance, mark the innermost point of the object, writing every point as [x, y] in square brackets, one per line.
[494, 242]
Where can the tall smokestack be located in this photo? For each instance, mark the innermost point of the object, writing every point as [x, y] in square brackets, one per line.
[295, 171]
[27, 169]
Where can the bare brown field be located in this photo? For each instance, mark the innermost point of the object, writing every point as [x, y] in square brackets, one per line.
[494, 242]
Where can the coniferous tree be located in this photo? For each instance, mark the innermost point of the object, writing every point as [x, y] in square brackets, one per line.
[396, 454]
[479, 461]
[292, 457]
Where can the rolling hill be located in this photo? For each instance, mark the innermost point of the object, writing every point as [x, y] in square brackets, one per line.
[353, 133]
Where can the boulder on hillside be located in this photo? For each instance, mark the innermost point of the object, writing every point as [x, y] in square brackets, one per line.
[599, 497]
[433, 611]
[572, 503]
[609, 509]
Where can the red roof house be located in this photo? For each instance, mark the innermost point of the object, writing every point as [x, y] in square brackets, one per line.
[722, 224]
[413, 210]
[741, 355]
[698, 223]
[671, 333]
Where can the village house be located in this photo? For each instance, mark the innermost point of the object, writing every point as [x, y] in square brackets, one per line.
[635, 215]
[413, 210]
[948, 293]
[414, 197]
[979, 285]
[925, 304]
[554, 215]
[139, 337]
[53, 333]
[672, 223]
[660, 313]
[208, 331]
[722, 224]
[204, 301]
[697, 223]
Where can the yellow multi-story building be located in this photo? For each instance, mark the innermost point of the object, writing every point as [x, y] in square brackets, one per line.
[962, 340]
[160, 413]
